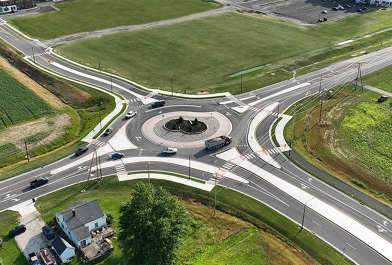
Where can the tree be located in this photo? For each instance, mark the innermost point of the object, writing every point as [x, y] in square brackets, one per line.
[152, 225]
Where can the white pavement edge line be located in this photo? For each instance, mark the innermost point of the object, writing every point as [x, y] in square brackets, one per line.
[158, 91]
[279, 132]
[373, 240]
[279, 93]
[252, 140]
[116, 111]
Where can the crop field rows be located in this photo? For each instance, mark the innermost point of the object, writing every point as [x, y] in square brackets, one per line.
[18, 103]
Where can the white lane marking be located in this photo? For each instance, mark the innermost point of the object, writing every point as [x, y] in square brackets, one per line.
[310, 179]
[138, 138]
[350, 246]
[381, 229]
[316, 223]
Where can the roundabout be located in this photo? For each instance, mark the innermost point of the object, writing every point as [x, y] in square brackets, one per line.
[154, 131]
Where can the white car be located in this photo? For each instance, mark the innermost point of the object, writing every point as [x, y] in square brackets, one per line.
[130, 114]
[170, 150]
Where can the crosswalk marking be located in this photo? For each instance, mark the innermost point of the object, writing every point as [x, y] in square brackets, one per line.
[250, 156]
[133, 100]
[216, 177]
[228, 165]
[98, 143]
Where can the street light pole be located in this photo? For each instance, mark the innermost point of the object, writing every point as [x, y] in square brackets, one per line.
[111, 84]
[291, 137]
[241, 84]
[100, 120]
[27, 152]
[32, 48]
[171, 82]
[99, 65]
[148, 165]
[215, 194]
[189, 166]
[303, 216]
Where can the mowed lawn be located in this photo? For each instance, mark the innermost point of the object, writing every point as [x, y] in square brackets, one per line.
[200, 55]
[90, 15]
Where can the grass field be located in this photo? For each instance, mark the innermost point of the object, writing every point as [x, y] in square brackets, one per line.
[112, 193]
[381, 79]
[18, 103]
[88, 15]
[10, 253]
[351, 142]
[202, 54]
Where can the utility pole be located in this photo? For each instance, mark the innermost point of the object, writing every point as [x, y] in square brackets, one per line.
[360, 75]
[99, 65]
[27, 152]
[321, 79]
[321, 105]
[91, 165]
[111, 83]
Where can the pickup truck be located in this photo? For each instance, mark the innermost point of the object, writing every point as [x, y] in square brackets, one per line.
[33, 259]
[39, 181]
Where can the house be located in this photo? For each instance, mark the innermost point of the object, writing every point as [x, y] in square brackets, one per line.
[8, 6]
[79, 220]
[62, 248]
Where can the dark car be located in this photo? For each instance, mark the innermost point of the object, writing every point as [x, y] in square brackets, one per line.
[108, 131]
[81, 151]
[359, 10]
[117, 155]
[39, 181]
[365, 8]
[382, 99]
[17, 230]
[48, 232]
[157, 104]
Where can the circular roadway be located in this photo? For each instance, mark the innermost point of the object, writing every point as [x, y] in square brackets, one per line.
[217, 125]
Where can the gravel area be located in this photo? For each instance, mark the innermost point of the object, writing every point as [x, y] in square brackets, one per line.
[212, 127]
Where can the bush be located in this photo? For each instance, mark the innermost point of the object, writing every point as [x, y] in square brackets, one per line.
[109, 219]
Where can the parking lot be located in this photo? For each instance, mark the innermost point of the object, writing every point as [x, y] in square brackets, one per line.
[306, 11]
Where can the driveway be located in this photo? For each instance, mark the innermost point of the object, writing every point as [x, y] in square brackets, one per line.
[33, 239]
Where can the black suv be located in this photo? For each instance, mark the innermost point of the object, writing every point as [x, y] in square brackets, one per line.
[17, 230]
[39, 181]
[157, 104]
[81, 151]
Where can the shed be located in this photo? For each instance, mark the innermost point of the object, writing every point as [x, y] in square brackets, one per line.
[62, 248]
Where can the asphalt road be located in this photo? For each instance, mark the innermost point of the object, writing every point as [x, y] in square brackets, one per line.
[16, 189]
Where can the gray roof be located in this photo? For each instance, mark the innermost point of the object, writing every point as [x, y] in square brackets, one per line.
[81, 233]
[60, 245]
[84, 214]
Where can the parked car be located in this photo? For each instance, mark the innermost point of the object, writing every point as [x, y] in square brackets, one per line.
[130, 114]
[117, 155]
[348, 6]
[335, 8]
[48, 232]
[169, 150]
[157, 104]
[341, 8]
[359, 10]
[17, 230]
[39, 181]
[81, 151]
[108, 131]
[382, 99]
[324, 12]
[365, 8]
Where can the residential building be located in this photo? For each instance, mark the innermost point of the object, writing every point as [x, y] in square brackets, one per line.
[79, 220]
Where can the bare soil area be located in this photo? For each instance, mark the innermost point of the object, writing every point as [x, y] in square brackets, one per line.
[56, 124]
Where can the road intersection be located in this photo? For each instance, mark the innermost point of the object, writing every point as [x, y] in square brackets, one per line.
[250, 167]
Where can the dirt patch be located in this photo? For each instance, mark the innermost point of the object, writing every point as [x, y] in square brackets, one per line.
[31, 84]
[56, 125]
